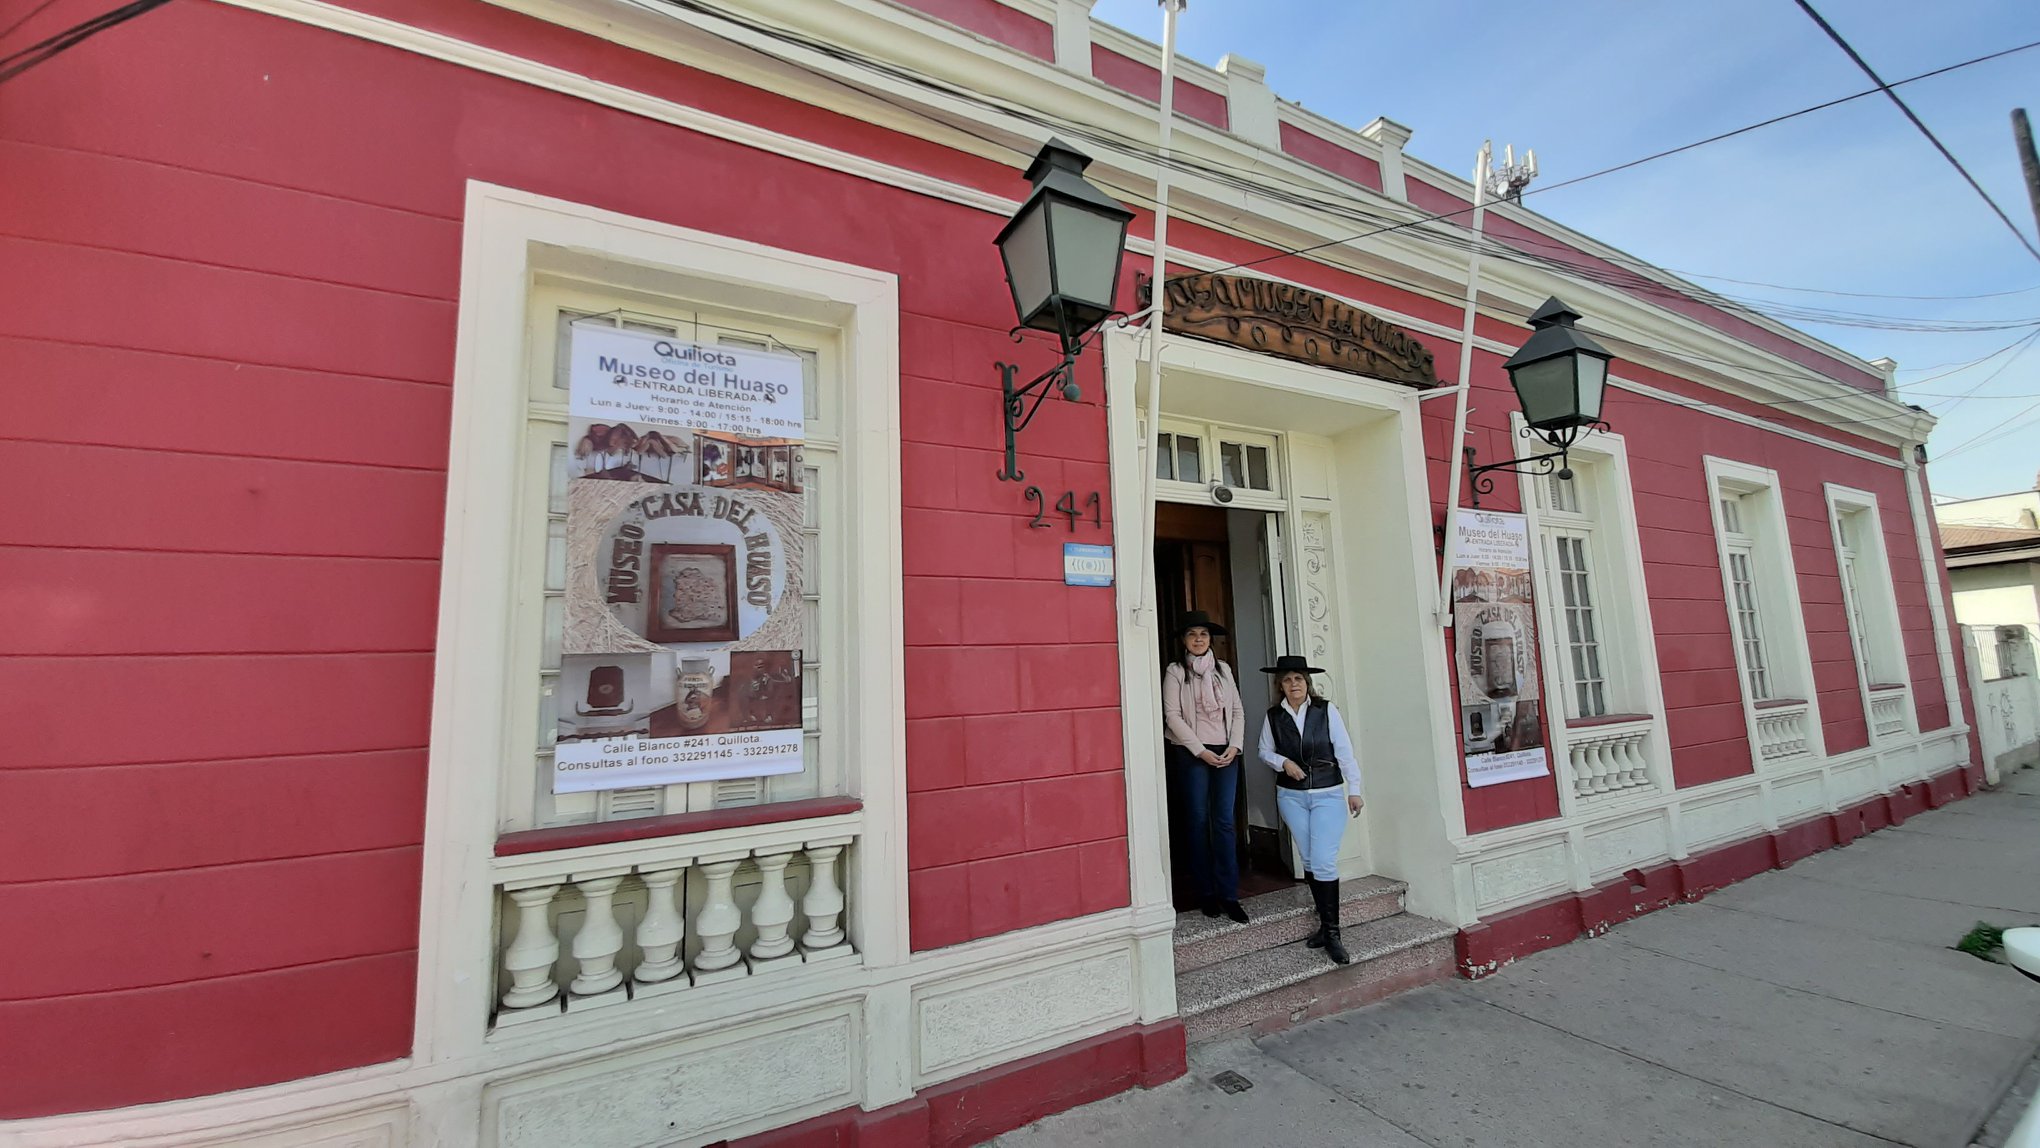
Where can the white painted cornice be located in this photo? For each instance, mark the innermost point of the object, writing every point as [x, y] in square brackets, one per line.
[882, 30]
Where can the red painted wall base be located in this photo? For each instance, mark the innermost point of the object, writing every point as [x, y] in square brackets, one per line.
[1493, 943]
[975, 1108]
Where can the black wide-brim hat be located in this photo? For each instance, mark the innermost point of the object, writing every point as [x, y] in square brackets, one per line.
[1291, 664]
[1199, 618]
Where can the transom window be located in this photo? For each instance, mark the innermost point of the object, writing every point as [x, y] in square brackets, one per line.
[1203, 453]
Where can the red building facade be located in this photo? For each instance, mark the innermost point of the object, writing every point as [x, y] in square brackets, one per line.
[287, 289]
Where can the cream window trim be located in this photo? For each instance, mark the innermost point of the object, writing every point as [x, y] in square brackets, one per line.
[1864, 563]
[1603, 515]
[1751, 534]
[512, 240]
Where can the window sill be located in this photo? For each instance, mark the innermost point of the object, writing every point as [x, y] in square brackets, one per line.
[1881, 687]
[1779, 703]
[1605, 719]
[674, 825]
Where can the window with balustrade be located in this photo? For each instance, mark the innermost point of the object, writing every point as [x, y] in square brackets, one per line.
[1600, 655]
[1765, 622]
[1875, 640]
[548, 897]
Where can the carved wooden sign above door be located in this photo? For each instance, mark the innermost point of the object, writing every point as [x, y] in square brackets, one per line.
[1294, 322]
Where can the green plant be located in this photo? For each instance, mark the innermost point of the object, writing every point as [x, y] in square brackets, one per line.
[1983, 942]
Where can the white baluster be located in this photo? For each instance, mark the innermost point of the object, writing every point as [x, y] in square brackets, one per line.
[598, 941]
[662, 934]
[772, 912]
[718, 922]
[531, 956]
[1635, 770]
[1583, 771]
[823, 905]
[1598, 755]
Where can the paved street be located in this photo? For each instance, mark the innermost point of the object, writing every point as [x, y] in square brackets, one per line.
[1819, 1005]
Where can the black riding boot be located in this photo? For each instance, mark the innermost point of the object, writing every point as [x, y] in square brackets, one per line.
[1317, 900]
[1328, 912]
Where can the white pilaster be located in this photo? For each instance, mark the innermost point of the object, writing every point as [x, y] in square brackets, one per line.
[1392, 137]
[1073, 35]
[1888, 367]
[1249, 104]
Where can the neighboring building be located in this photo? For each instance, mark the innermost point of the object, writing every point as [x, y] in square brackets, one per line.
[298, 843]
[1993, 554]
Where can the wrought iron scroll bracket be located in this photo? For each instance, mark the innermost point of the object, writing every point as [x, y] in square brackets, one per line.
[1479, 479]
[1019, 412]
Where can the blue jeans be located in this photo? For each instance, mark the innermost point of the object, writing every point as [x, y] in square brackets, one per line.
[1208, 796]
[1317, 820]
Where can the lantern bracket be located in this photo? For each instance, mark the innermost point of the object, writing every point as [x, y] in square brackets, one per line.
[1480, 480]
[1019, 413]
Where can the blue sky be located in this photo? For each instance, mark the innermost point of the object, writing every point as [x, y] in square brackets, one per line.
[1849, 199]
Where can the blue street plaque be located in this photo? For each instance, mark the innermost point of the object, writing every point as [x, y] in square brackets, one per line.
[1086, 565]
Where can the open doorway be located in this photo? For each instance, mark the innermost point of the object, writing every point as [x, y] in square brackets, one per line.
[1227, 563]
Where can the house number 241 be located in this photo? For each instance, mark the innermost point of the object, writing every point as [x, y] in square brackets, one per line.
[1067, 507]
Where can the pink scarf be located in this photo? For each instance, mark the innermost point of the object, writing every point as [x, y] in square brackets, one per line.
[1204, 679]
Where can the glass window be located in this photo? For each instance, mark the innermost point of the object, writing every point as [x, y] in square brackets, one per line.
[1749, 623]
[1257, 468]
[1231, 466]
[1582, 632]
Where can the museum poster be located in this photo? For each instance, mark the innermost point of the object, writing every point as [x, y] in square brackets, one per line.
[1496, 648]
[684, 616]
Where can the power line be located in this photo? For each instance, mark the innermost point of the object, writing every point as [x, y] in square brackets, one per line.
[45, 50]
[32, 13]
[1806, 7]
[1314, 197]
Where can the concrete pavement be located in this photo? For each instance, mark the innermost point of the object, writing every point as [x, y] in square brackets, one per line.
[1817, 1005]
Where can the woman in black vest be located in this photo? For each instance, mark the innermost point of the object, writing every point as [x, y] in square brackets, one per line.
[1305, 743]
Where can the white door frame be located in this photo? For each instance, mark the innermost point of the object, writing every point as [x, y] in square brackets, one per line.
[1427, 868]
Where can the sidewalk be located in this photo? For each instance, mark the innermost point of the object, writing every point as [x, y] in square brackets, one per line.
[1818, 1005]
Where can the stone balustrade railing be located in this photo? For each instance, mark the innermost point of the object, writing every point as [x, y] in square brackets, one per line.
[1782, 731]
[1609, 755]
[1889, 706]
[605, 925]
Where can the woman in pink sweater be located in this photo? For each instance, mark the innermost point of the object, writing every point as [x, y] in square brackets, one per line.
[1206, 726]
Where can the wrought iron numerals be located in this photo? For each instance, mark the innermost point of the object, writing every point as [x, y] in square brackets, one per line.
[1067, 505]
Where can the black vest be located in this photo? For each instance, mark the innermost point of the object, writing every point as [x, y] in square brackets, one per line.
[1310, 747]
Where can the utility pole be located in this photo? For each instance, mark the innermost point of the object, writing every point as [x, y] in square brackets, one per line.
[2022, 135]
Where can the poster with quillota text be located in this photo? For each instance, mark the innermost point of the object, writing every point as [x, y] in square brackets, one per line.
[1495, 648]
[684, 616]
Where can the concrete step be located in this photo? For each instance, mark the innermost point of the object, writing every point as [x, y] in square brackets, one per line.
[1275, 919]
[1271, 989]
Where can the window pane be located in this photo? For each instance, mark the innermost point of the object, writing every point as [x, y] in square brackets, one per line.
[1230, 467]
[1188, 468]
[1165, 457]
[1257, 468]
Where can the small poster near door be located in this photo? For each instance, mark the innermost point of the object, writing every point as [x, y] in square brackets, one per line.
[1495, 621]
[683, 620]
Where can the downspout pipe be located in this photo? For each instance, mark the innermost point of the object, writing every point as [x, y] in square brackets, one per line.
[1147, 614]
[1482, 170]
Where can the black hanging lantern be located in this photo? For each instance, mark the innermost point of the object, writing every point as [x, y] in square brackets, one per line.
[1062, 251]
[1062, 248]
[1559, 373]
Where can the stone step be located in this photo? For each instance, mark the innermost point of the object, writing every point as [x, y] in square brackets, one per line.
[1272, 989]
[1275, 919]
